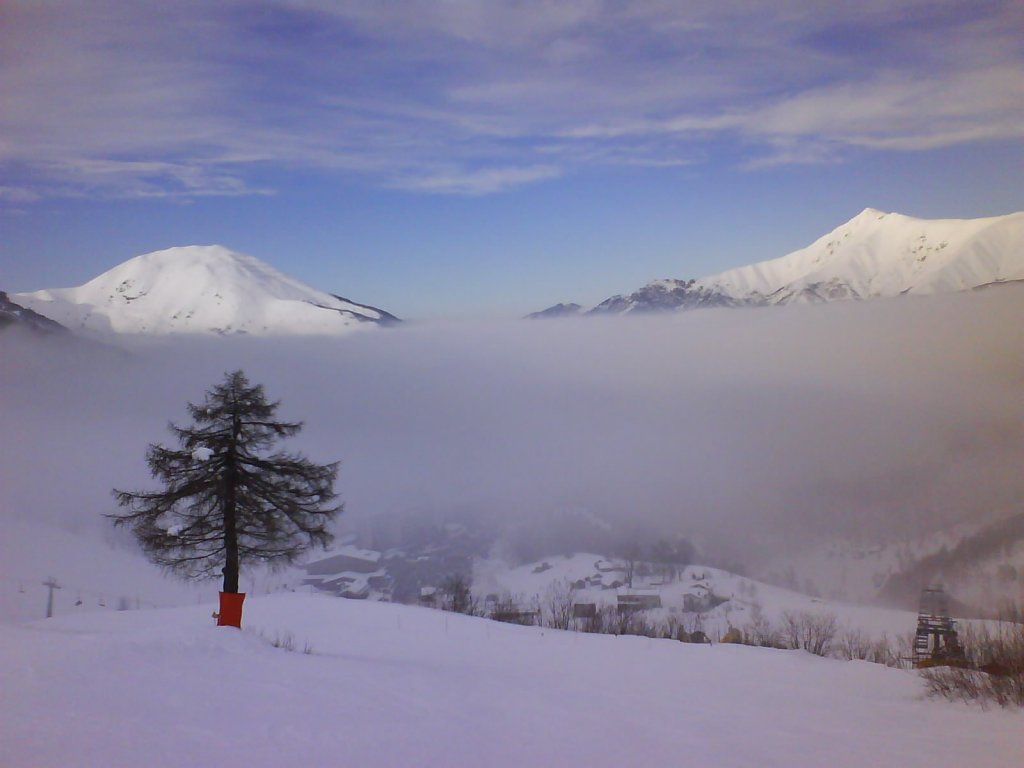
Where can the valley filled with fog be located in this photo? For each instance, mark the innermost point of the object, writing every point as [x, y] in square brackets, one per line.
[756, 434]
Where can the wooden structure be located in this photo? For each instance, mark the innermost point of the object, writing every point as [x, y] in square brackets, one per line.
[629, 602]
[936, 642]
[584, 610]
[514, 613]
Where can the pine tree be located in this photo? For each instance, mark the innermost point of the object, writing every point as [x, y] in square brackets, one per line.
[224, 500]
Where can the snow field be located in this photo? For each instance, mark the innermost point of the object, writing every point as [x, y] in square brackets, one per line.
[390, 685]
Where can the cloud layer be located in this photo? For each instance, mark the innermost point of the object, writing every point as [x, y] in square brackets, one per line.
[149, 99]
[751, 431]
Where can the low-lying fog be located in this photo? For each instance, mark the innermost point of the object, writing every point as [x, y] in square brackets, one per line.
[752, 432]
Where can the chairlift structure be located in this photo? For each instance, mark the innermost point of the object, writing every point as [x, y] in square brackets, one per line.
[936, 642]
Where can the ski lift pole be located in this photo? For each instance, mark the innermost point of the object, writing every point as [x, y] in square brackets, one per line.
[51, 584]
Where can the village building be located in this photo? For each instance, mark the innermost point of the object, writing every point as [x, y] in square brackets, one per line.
[349, 572]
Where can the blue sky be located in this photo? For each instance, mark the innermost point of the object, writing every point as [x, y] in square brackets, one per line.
[462, 158]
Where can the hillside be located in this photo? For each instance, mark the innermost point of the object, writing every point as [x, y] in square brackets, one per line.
[696, 594]
[983, 569]
[201, 289]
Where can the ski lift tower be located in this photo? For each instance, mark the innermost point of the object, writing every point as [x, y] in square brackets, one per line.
[936, 641]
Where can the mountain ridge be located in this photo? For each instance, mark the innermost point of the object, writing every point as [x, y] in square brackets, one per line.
[876, 254]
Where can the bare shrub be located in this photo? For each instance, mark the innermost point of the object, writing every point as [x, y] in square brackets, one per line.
[557, 605]
[813, 632]
[283, 640]
[602, 621]
[855, 644]
[993, 671]
[457, 595]
[901, 653]
[509, 611]
[955, 684]
[760, 630]
[671, 627]
[885, 653]
[614, 621]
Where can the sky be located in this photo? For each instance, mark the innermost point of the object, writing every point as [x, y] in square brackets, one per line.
[467, 158]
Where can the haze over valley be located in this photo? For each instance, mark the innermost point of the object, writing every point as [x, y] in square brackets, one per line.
[759, 434]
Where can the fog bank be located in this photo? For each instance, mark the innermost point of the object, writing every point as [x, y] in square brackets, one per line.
[749, 431]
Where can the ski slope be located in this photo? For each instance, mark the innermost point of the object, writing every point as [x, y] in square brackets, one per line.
[389, 685]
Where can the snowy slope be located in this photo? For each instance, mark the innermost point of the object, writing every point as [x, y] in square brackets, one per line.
[389, 685]
[559, 310]
[92, 574]
[200, 289]
[14, 315]
[873, 255]
[878, 254]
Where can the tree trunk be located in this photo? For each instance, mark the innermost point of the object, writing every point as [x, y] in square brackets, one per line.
[230, 520]
[230, 548]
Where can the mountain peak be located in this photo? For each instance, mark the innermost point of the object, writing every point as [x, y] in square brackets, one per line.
[870, 213]
[874, 254]
[178, 254]
[201, 289]
[879, 254]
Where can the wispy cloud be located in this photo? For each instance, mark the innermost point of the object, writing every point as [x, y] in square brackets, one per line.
[478, 182]
[143, 99]
[138, 179]
[17, 194]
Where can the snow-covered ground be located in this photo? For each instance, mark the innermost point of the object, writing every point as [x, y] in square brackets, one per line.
[94, 575]
[390, 685]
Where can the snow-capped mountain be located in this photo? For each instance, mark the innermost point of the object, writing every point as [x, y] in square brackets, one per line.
[873, 255]
[200, 289]
[877, 254]
[661, 295]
